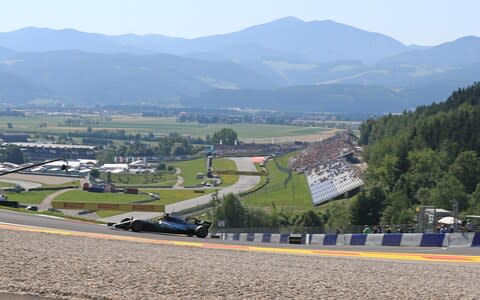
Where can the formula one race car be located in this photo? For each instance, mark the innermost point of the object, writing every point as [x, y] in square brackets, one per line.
[168, 224]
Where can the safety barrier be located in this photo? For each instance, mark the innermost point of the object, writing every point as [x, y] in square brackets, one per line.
[279, 238]
[244, 173]
[109, 206]
[432, 240]
[476, 240]
[470, 239]
[394, 239]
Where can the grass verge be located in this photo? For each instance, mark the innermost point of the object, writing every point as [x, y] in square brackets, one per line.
[189, 170]
[30, 197]
[292, 196]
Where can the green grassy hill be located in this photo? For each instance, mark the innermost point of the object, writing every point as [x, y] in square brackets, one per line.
[190, 168]
[287, 193]
[166, 197]
[125, 180]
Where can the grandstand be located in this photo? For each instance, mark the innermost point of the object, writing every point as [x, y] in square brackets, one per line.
[40, 151]
[331, 180]
[328, 173]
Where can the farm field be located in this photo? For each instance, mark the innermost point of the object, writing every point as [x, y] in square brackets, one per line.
[160, 126]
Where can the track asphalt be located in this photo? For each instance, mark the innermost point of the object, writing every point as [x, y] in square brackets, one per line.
[27, 185]
[10, 220]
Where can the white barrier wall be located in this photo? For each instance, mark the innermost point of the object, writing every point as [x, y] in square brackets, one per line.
[346, 239]
[459, 239]
[374, 240]
[317, 239]
[275, 238]
[258, 237]
[411, 239]
[243, 237]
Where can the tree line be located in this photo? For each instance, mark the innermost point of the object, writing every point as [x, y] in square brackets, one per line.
[425, 157]
[234, 214]
[173, 144]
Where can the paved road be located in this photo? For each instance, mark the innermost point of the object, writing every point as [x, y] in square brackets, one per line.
[12, 217]
[43, 179]
[244, 183]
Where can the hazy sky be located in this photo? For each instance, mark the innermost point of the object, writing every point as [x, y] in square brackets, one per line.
[426, 22]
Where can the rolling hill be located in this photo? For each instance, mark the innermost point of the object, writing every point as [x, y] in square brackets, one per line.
[292, 38]
[90, 78]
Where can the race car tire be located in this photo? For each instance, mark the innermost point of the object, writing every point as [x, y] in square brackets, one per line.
[136, 226]
[201, 232]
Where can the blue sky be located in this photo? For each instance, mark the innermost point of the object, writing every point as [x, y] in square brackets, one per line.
[426, 22]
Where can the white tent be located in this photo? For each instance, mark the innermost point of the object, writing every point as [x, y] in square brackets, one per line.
[449, 220]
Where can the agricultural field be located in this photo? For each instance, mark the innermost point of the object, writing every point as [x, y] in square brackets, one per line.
[161, 126]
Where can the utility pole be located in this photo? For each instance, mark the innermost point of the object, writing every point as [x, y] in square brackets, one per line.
[293, 188]
[455, 214]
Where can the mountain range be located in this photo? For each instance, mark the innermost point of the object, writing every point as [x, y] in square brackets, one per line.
[287, 64]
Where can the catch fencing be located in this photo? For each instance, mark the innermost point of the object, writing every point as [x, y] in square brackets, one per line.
[470, 239]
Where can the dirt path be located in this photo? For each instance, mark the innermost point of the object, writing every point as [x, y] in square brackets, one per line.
[179, 182]
[47, 202]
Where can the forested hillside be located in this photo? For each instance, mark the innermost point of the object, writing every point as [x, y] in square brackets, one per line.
[426, 157]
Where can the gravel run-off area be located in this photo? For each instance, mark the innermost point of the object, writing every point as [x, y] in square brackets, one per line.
[87, 268]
